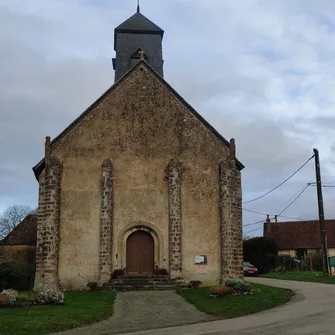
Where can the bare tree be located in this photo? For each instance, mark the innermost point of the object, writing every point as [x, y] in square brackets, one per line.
[11, 217]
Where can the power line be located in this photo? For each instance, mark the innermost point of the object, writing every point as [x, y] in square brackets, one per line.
[294, 200]
[255, 212]
[293, 218]
[253, 223]
[312, 184]
[292, 197]
[251, 231]
[283, 216]
[262, 196]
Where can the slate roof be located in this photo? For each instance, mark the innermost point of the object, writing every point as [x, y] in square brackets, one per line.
[137, 24]
[299, 234]
[24, 233]
[39, 167]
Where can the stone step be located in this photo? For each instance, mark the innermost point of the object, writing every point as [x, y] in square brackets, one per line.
[144, 277]
[141, 283]
[126, 288]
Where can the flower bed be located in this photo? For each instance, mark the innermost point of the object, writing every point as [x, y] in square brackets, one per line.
[44, 295]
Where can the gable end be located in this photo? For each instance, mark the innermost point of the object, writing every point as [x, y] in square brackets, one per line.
[39, 167]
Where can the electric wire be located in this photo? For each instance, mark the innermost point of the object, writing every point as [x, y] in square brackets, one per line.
[253, 223]
[280, 214]
[283, 216]
[294, 200]
[287, 179]
[251, 231]
[290, 199]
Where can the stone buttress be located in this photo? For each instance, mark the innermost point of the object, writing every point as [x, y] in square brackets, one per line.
[175, 218]
[230, 206]
[48, 219]
[106, 222]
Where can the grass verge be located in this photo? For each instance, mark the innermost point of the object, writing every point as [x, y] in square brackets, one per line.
[80, 308]
[233, 306]
[314, 277]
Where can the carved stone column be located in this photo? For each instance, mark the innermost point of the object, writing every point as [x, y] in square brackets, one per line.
[106, 221]
[175, 218]
[230, 206]
[48, 220]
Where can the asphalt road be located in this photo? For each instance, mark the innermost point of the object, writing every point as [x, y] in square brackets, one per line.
[311, 311]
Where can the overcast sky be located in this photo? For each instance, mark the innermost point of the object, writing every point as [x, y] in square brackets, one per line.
[261, 71]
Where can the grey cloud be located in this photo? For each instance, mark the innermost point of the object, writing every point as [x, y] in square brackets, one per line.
[256, 72]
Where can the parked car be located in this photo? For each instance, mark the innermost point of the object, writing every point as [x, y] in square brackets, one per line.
[249, 269]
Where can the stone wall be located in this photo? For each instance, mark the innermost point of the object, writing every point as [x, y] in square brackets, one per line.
[175, 218]
[106, 221]
[230, 205]
[142, 125]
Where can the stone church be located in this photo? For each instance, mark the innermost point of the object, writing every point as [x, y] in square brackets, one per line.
[139, 181]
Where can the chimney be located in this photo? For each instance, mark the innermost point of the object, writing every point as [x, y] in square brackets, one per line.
[232, 148]
[47, 147]
[267, 226]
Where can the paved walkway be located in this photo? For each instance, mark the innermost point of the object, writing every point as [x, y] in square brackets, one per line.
[136, 311]
[310, 312]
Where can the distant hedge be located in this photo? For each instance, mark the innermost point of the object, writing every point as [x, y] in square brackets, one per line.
[261, 252]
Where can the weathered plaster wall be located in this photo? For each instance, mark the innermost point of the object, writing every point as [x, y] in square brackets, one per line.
[140, 127]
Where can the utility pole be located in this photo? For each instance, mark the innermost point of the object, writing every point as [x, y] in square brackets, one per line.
[324, 250]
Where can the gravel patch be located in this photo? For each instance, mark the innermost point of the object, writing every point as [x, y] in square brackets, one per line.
[135, 311]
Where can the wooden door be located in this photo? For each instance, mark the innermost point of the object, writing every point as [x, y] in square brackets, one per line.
[140, 254]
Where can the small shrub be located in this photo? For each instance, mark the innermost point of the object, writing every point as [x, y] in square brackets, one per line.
[181, 282]
[161, 272]
[93, 286]
[194, 284]
[17, 274]
[118, 273]
[255, 291]
[220, 291]
[239, 286]
[7, 298]
[48, 295]
[14, 293]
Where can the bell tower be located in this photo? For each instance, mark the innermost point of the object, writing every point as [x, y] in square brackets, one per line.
[135, 37]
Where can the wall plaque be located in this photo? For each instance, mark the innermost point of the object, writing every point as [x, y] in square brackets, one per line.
[200, 259]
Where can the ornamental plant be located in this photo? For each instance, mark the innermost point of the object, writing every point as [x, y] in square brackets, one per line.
[7, 298]
[239, 286]
[220, 290]
[48, 295]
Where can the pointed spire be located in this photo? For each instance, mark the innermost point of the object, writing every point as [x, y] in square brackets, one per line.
[138, 6]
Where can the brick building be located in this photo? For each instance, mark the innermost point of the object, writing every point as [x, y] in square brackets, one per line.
[139, 180]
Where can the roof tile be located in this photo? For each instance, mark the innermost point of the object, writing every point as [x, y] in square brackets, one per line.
[299, 234]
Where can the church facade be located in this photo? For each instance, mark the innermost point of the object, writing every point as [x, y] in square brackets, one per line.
[138, 181]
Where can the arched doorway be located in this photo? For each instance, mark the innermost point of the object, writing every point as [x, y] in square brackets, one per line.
[140, 254]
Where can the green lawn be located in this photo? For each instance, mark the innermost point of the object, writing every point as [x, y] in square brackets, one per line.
[233, 306]
[315, 277]
[80, 308]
